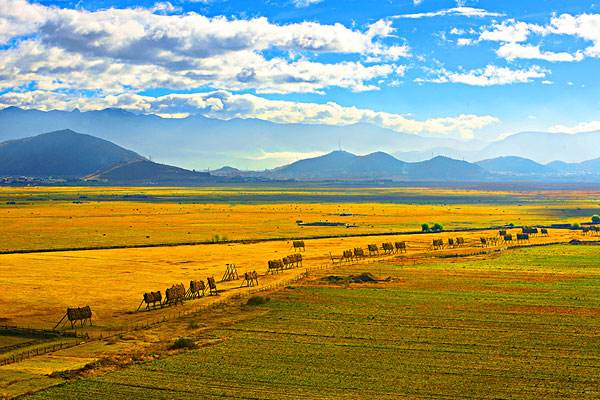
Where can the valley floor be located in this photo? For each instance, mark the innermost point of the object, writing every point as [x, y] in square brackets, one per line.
[494, 320]
[520, 324]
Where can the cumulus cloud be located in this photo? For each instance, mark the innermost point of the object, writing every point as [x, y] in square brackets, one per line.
[464, 41]
[226, 105]
[588, 126]
[491, 75]
[512, 51]
[456, 11]
[509, 31]
[584, 26]
[120, 49]
[55, 68]
[305, 3]
[513, 34]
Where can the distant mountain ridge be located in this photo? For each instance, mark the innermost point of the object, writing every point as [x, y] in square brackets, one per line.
[342, 165]
[511, 165]
[70, 155]
[200, 142]
[544, 147]
[145, 172]
[62, 154]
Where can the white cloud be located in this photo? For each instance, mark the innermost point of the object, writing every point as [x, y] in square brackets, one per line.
[116, 33]
[305, 3]
[165, 7]
[225, 105]
[134, 49]
[584, 26]
[464, 41]
[54, 68]
[456, 11]
[511, 32]
[512, 51]
[18, 17]
[491, 75]
[588, 126]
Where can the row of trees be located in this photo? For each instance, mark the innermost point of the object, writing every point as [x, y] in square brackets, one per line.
[433, 228]
[439, 227]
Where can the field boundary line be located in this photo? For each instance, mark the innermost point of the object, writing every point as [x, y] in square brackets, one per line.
[276, 239]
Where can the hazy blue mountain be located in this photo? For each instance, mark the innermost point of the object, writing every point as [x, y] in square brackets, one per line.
[545, 147]
[590, 166]
[199, 142]
[227, 171]
[563, 167]
[424, 155]
[442, 168]
[60, 154]
[511, 165]
[145, 172]
[342, 165]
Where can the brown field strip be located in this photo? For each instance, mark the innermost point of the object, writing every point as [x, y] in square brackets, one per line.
[437, 329]
[39, 287]
[66, 218]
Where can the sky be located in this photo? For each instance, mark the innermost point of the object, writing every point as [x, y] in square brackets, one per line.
[466, 69]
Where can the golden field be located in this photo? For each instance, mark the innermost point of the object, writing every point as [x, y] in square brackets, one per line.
[162, 236]
[65, 218]
[38, 287]
[516, 323]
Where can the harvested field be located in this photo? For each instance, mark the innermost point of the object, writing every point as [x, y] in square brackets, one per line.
[522, 324]
[352, 310]
[112, 282]
[65, 218]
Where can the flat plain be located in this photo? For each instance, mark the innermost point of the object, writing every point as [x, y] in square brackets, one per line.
[505, 320]
[77, 217]
[520, 325]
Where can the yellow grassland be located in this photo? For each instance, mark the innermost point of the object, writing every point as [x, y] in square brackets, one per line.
[38, 287]
[43, 218]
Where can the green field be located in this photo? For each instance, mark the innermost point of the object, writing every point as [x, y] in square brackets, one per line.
[522, 325]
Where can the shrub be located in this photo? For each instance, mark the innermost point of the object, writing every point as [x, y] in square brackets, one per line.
[575, 226]
[183, 343]
[257, 300]
[425, 228]
[596, 219]
[437, 227]
[218, 238]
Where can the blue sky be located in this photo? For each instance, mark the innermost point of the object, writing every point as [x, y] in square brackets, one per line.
[467, 69]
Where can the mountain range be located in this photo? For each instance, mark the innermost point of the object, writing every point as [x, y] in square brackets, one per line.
[63, 154]
[197, 142]
[341, 165]
[69, 155]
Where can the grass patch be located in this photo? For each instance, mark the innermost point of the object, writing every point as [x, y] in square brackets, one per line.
[183, 343]
[257, 301]
[522, 325]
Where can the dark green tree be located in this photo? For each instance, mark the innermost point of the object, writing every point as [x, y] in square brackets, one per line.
[437, 227]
